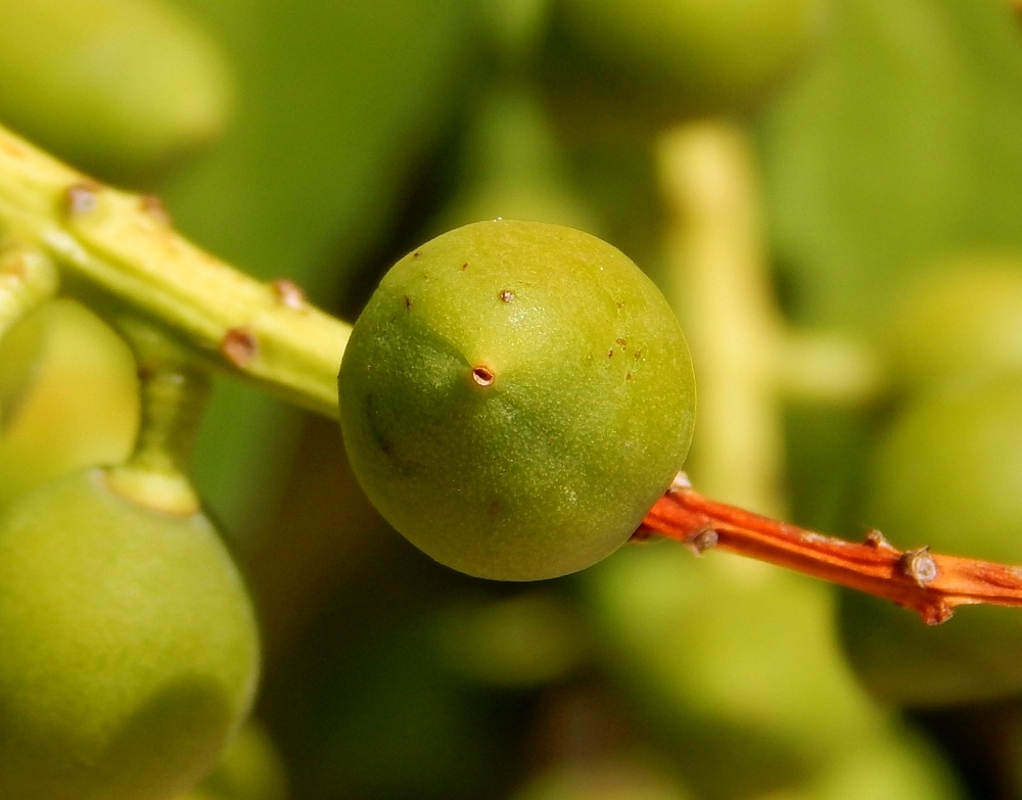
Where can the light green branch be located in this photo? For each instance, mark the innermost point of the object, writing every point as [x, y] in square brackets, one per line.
[117, 251]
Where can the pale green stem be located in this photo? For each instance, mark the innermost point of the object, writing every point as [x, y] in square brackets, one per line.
[174, 391]
[721, 291]
[747, 359]
[117, 250]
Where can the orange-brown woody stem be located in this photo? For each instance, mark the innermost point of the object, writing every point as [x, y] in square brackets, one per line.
[931, 584]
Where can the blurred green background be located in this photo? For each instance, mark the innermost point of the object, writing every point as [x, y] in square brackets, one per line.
[321, 141]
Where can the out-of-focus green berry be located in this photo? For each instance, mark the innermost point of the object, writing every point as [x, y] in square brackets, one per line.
[629, 61]
[515, 397]
[962, 320]
[47, 430]
[130, 651]
[948, 475]
[118, 87]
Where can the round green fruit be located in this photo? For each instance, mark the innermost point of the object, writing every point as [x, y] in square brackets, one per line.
[515, 397]
[130, 650]
[948, 475]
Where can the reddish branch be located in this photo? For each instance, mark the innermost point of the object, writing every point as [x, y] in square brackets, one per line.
[931, 584]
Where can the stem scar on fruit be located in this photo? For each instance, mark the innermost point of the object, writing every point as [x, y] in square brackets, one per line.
[483, 375]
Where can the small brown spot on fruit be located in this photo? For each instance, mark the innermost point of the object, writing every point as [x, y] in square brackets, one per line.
[506, 295]
[465, 265]
[483, 375]
[638, 354]
[408, 303]
[239, 346]
[610, 353]
[81, 198]
[289, 293]
[621, 342]
[416, 254]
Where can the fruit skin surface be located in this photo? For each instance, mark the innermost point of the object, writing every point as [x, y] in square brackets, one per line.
[515, 397]
[130, 651]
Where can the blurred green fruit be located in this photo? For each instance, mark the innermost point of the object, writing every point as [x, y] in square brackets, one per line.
[732, 663]
[606, 779]
[526, 640]
[668, 59]
[119, 87]
[48, 428]
[895, 764]
[250, 769]
[130, 652]
[963, 319]
[948, 475]
[514, 167]
[515, 397]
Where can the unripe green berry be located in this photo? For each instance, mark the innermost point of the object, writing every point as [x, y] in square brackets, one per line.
[515, 397]
[130, 650]
[947, 475]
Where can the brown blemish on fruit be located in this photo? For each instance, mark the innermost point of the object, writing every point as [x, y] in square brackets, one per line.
[416, 254]
[628, 376]
[153, 206]
[638, 354]
[621, 342]
[610, 353]
[239, 346]
[81, 198]
[465, 265]
[408, 303]
[288, 293]
[483, 375]
[494, 508]
[506, 295]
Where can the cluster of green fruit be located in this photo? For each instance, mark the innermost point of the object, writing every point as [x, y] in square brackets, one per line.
[513, 399]
[131, 650]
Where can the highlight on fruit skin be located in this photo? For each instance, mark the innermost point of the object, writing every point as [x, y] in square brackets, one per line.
[130, 650]
[515, 397]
